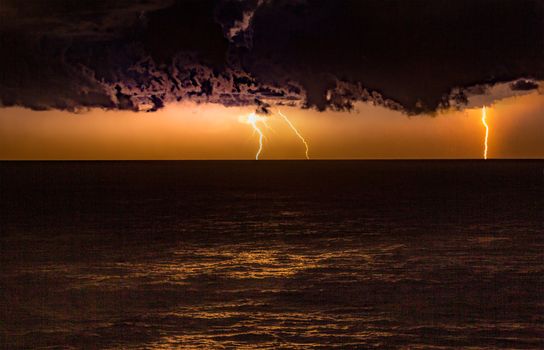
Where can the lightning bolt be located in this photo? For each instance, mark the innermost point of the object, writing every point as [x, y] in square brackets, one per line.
[252, 120]
[296, 132]
[484, 122]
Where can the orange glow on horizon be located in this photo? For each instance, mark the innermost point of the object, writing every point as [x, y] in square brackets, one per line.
[207, 131]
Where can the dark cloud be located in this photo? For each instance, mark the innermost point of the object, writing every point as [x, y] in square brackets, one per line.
[524, 85]
[416, 56]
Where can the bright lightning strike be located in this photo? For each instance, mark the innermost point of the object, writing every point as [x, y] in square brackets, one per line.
[253, 120]
[296, 132]
[484, 122]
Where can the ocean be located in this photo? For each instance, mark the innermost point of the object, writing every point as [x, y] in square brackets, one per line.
[272, 255]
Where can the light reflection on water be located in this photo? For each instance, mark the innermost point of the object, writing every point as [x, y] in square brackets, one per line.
[295, 271]
[268, 294]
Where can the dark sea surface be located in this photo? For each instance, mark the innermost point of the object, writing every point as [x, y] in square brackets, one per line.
[272, 255]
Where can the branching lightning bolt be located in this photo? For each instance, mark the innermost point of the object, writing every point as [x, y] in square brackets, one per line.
[296, 132]
[484, 122]
[252, 119]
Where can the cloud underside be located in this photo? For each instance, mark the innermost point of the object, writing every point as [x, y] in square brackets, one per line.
[415, 56]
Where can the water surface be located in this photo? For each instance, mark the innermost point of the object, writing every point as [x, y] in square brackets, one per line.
[257, 255]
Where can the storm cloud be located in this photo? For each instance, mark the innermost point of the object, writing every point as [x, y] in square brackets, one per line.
[415, 56]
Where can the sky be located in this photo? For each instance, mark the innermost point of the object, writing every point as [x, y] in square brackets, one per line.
[365, 79]
[213, 131]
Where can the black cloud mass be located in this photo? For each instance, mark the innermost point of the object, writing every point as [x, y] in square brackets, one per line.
[324, 54]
